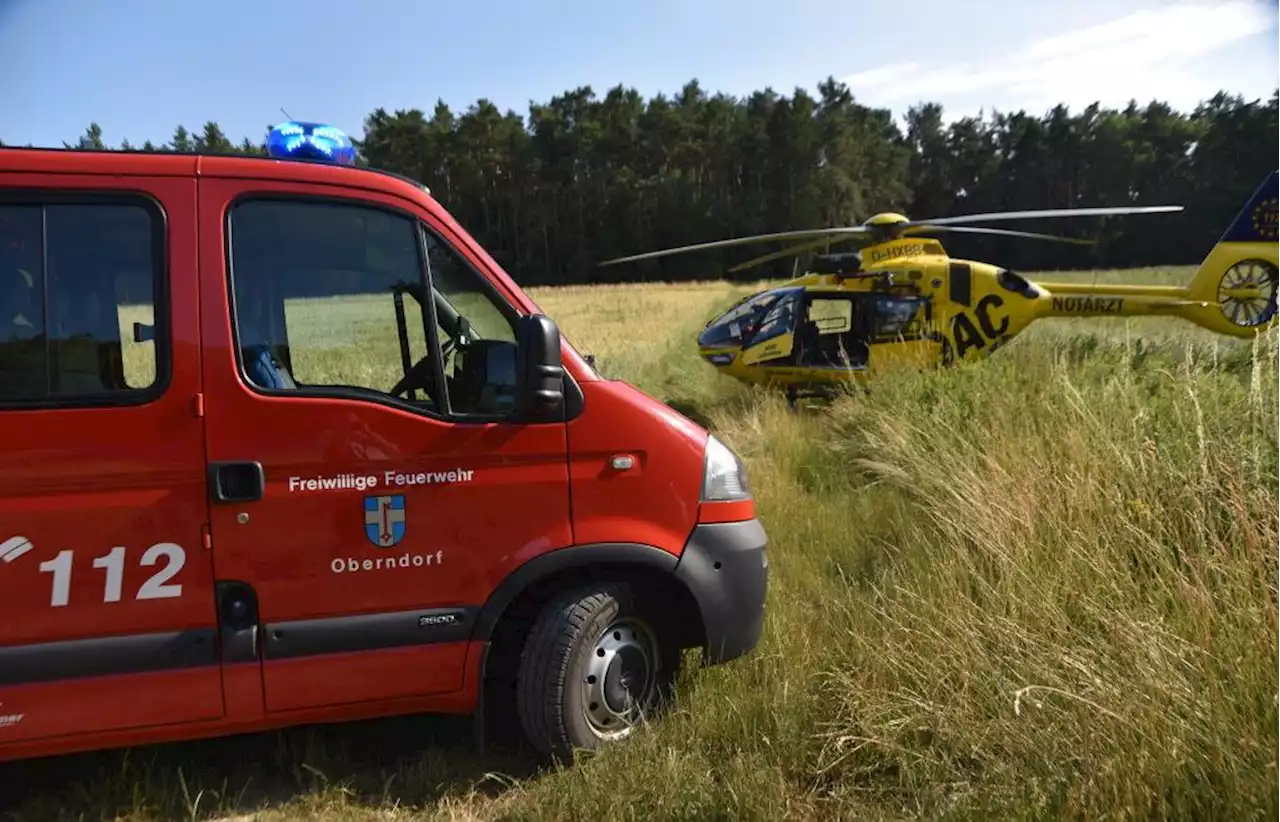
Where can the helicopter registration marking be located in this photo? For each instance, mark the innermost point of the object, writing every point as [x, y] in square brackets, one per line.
[897, 251]
[1089, 305]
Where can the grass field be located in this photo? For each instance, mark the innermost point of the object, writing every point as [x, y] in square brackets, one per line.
[1042, 586]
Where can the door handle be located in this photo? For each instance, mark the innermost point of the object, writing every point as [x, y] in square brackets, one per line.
[236, 481]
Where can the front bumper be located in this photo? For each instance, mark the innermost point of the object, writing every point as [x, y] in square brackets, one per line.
[725, 568]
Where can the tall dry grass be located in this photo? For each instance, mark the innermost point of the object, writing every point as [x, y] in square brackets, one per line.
[1073, 606]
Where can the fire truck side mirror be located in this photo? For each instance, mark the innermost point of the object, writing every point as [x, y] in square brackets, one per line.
[540, 375]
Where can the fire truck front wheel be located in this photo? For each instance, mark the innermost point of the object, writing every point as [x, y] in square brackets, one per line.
[594, 666]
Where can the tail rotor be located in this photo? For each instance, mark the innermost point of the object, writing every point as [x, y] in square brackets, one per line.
[1247, 293]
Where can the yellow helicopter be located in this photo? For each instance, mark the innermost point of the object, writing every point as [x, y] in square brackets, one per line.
[902, 300]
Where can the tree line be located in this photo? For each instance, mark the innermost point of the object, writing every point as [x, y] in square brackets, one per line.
[583, 178]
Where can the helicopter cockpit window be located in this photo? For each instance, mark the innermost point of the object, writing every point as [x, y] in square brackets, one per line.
[780, 320]
[738, 322]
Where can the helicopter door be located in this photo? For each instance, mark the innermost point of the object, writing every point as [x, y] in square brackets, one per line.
[834, 332]
[775, 337]
[899, 329]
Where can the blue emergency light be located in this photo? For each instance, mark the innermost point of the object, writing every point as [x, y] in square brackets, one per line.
[292, 140]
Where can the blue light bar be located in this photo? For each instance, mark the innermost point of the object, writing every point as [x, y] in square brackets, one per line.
[292, 140]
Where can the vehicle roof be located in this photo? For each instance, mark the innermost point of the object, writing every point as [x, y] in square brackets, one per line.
[195, 164]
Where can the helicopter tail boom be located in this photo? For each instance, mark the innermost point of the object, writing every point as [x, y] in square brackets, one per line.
[1115, 300]
[1115, 289]
[1077, 300]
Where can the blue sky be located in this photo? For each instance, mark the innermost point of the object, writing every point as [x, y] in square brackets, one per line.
[140, 67]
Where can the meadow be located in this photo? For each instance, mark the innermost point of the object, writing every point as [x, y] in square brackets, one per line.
[1041, 586]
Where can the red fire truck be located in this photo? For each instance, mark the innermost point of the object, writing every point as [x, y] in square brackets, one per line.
[280, 443]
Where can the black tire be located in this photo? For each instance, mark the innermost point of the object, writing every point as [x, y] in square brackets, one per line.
[585, 648]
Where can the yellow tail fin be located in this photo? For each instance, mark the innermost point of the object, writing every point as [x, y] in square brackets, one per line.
[1235, 285]
[1233, 291]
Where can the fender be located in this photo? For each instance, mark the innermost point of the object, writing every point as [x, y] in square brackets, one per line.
[563, 559]
[721, 577]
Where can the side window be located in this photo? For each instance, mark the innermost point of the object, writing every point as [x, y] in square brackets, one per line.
[78, 289]
[477, 335]
[897, 318]
[338, 296]
[831, 316]
[329, 296]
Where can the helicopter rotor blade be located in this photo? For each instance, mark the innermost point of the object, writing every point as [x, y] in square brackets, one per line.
[789, 251]
[925, 229]
[1045, 212]
[852, 231]
[1003, 232]
[756, 238]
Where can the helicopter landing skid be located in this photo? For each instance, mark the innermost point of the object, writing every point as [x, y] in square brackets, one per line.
[822, 391]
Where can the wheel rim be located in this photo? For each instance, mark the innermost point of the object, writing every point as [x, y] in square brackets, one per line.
[621, 674]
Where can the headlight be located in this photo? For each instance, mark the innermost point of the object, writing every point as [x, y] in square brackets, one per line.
[725, 477]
